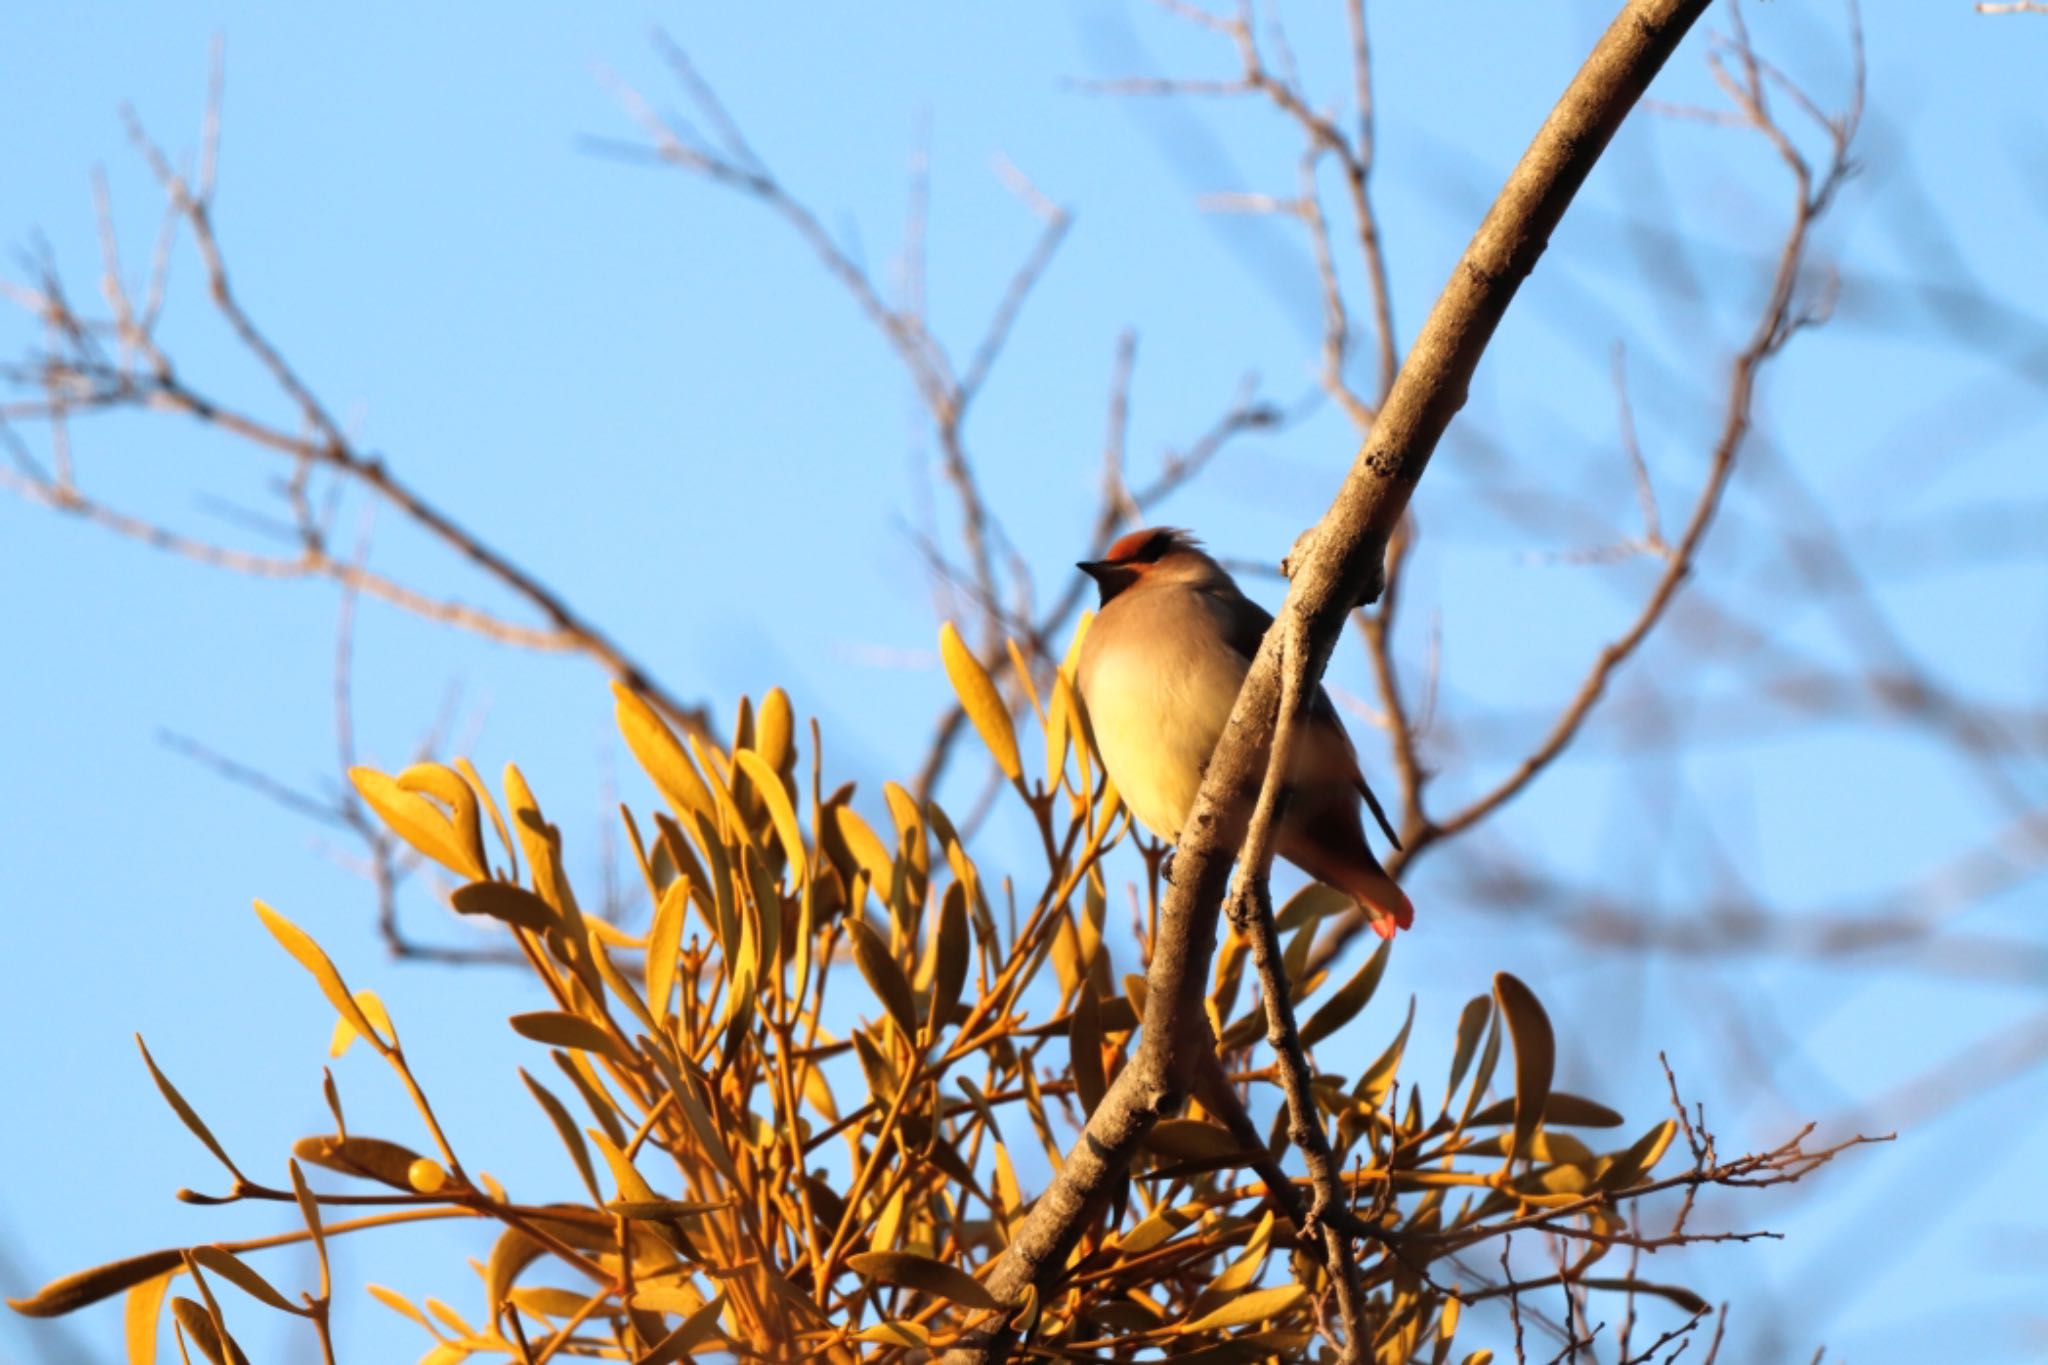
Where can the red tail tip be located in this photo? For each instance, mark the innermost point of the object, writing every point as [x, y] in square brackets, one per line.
[1389, 919]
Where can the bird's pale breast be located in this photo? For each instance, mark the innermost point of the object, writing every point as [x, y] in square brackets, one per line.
[1159, 687]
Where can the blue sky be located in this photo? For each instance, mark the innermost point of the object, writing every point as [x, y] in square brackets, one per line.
[646, 390]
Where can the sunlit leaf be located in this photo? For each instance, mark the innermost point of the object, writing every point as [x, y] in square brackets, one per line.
[398, 1303]
[1191, 1140]
[465, 812]
[1372, 1087]
[697, 1329]
[889, 1225]
[775, 731]
[142, 1317]
[1561, 1110]
[1629, 1167]
[371, 1158]
[665, 1208]
[1535, 1054]
[301, 946]
[558, 1029]
[1489, 1059]
[768, 783]
[503, 901]
[74, 1292]
[1084, 1047]
[218, 1260]
[1673, 1293]
[566, 1129]
[866, 849]
[1020, 669]
[982, 702]
[483, 792]
[186, 1114]
[1472, 1023]
[923, 1274]
[421, 823]
[664, 942]
[449, 1318]
[1256, 1306]
[1241, 1273]
[372, 1006]
[511, 1254]
[1349, 999]
[198, 1327]
[661, 755]
[1310, 905]
[952, 946]
[884, 975]
[1157, 1227]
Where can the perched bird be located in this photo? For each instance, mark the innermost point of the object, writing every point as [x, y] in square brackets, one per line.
[1159, 672]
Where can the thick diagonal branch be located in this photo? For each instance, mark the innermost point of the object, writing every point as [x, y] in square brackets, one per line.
[1340, 567]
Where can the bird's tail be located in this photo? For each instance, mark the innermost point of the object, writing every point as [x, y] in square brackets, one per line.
[1328, 844]
[1381, 897]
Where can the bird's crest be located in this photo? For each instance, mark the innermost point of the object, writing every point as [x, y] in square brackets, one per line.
[1150, 545]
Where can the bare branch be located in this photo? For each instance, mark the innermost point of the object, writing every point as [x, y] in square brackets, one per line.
[1343, 566]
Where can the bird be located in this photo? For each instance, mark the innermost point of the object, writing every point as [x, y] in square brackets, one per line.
[1159, 672]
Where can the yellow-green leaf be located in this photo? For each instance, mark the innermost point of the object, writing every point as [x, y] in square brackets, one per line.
[923, 1274]
[982, 702]
[901, 1332]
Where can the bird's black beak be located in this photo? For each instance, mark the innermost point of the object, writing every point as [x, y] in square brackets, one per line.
[1110, 576]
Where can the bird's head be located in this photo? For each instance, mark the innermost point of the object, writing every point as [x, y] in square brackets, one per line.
[1157, 555]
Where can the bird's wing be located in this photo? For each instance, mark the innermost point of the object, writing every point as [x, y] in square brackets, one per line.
[1245, 623]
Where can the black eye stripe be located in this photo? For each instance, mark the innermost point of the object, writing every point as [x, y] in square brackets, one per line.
[1154, 548]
